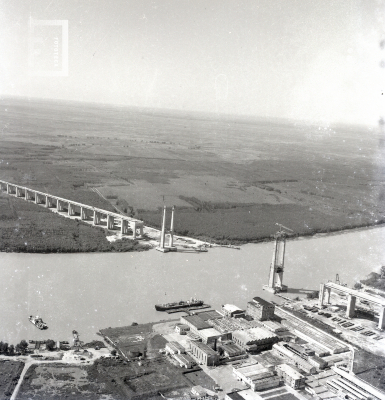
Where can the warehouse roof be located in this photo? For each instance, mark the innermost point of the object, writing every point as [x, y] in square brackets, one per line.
[211, 314]
[231, 308]
[289, 370]
[196, 321]
[209, 332]
[204, 347]
[262, 302]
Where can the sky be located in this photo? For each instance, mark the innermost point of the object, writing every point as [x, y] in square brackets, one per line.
[300, 59]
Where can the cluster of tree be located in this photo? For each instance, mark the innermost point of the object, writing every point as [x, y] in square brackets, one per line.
[11, 350]
[313, 295]
[376, 280]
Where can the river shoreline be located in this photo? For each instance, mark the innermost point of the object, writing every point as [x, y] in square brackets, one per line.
[139, 247]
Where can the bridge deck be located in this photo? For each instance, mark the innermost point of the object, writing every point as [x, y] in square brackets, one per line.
[356, 293]
[98, 210]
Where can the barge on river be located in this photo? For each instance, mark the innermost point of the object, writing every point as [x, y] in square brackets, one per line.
[181, 304]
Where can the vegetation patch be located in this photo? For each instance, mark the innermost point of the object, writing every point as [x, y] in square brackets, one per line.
[38, 230]
[10, 372]
[239, 223]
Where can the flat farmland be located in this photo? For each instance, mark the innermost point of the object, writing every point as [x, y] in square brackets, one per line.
[237, 175]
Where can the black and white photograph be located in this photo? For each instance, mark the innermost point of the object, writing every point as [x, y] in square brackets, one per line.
[192, 199]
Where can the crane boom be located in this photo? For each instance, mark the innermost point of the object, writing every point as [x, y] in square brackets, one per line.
[284, 227]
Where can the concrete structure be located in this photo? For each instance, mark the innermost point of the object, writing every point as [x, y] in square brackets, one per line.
[174, 348]
[291, 376]
[254, 339]
[311, 334]
[209, 336]
[204, 353]
[318, 362]
[194, 322]
[260, 309]
[352, 385]
[184, 360]
[277, 265]
[162, 241]
[256, 376]
[274, 326]
[352, 296]
[182, 329]
[283, 351]
[231, 350]
[230, 310]
[74, 208]
[233, 396]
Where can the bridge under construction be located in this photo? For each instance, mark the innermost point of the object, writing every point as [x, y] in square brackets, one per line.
[353, 294]
[73, 208]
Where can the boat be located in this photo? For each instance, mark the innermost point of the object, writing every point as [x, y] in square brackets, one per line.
[181, 304]
[38, 322]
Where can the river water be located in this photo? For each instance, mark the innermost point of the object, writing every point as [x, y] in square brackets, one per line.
[88, 292]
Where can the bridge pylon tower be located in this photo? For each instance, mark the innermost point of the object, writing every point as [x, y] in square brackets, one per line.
[162, 241]
[275, 283]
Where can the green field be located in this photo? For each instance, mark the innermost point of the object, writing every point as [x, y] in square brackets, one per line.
[230, 178]
[28, 227]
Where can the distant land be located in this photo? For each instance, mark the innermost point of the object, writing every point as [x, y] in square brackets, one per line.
[231, 179]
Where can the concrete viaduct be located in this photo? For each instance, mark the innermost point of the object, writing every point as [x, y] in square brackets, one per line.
[352, 297]
[86, 212]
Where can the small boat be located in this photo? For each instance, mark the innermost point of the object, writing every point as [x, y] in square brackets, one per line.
[38, 322]
[181, 304]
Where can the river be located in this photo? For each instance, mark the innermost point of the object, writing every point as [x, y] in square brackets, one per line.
[88, 292]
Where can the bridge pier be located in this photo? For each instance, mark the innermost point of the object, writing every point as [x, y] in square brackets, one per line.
[83, 213]
[381, 321]
[110, 222]
[59, 205]
[135, 226]
[97, 216]
[37, 198]
[26, 194]
[350, 310]
[18, 191]
[8, 188]
[48, 201]
[124, 227]
[71, 210]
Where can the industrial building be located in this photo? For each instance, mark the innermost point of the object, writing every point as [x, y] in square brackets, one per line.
[204, 353]
[230, 310]
[231, 350]
[257, 376]
[298, 361]
[260, 309]
[274, 326]
[254, 339]
[194, 322]
[184, 360]
[182, 329]
[291, 376]
[234, 396]
[174, 348]
[209, 335]
[311, 334]
[209, 315]
[318, 362]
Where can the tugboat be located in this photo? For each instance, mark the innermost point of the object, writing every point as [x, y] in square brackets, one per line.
[182, 304]
[38, 322]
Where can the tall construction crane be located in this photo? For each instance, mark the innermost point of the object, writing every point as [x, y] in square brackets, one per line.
[277, 265]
